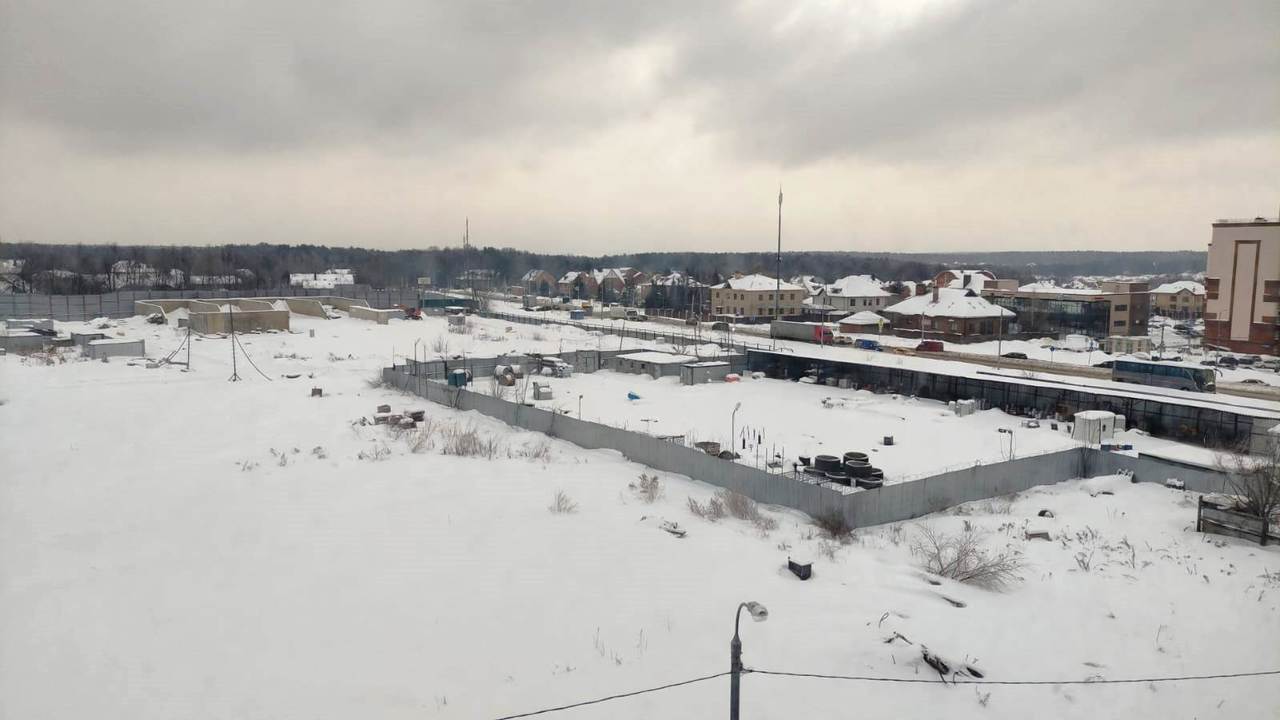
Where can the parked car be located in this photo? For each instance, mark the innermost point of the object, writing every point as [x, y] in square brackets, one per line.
[1271, 364]
[1103, 364]
[1015, 355]
[1210, 362]
[1227, 361]
[720, 326]
[929, 346]
[1249, 359]
[1252, 381]
[842, 340]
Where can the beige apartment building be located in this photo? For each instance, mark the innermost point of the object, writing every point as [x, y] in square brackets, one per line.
[751, 298]
[1182, 300]
[1242, 286]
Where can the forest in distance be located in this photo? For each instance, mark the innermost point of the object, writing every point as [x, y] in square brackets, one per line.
[86, 268]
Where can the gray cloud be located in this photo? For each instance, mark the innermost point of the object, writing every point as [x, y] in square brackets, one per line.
[790, 89]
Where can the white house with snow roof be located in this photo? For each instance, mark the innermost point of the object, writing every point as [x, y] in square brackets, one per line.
[752, 298]
[853, 293]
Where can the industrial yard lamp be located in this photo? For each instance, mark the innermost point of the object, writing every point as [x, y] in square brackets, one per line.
[733, 429]
[759, 613]
[1009, 432]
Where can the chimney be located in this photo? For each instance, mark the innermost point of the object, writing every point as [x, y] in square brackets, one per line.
[935, 293]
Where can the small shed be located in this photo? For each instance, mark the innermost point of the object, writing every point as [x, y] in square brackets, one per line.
[1094, 427]
[863, 322]
[116, 347]
[706, 371]
[1127, 344]
[652, 363]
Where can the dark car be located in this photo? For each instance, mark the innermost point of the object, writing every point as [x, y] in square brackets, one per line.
[1210, 362]
[1227, 361]
[1015, 355]
[1103, 364]
[1252, 381]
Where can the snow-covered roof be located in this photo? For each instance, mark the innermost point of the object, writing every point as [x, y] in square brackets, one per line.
[865, 317]
[952, 303]
[573, 275]
[1170, 288]
[856, 286]
[1044, 287]
[530, 276]
[658, 358]
[756, 283]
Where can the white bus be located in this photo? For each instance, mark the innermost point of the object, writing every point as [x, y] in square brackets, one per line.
[1176, 375]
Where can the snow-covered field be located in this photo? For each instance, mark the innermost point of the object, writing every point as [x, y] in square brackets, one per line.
[175, 545]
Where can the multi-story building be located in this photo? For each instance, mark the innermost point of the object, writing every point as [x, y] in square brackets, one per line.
[853, 293]
[1242, 286]
[976, 280]
[1113, 308]
[751, 298]
[1183, 300]
[135, 274]
[327, 280]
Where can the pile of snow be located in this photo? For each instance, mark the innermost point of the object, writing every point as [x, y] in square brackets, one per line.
[279, 305]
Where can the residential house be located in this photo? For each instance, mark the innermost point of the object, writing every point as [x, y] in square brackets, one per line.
[539, 282]
[863, 321]
[952, 314]
[1242, 286]
[327, 280]
[675, 290]
[752, 298]
[976, 280]
[1182, 299]
[853, 293]
[578, 285]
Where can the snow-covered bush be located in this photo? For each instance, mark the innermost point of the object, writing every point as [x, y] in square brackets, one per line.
[744, 508]
[1254, 480]
[961, 557]
[834, 525]
[648, 488]
[713, 510]
[562, 504]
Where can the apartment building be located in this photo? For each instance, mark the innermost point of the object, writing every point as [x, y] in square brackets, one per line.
[752, 298]
[1242, 286]
[1183, 300]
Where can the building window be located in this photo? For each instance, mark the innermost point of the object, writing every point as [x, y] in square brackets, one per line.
[1121, 308]
[1211, 288]
[1118, 323]
[1271, 291]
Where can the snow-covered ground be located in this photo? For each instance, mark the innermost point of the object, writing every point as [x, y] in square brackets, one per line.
[175, 545]
[791, 419]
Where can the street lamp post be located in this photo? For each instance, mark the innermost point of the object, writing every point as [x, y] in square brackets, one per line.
[733, 429]
[579, 407]
[758, 613]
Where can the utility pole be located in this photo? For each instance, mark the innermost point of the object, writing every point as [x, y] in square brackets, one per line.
[231, 324]
[777, 295]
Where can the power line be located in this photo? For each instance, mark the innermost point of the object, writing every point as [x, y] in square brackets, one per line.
[915, 681]
[940, 681]
[614, 697]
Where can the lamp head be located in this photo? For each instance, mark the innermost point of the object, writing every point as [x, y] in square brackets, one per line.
[759, 613]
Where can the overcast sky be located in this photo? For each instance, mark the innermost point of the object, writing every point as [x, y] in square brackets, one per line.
[597, 127]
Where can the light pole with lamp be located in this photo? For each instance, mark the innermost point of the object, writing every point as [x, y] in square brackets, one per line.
[579, 407]
[759, 613]
[1009, 432]
[733, 430]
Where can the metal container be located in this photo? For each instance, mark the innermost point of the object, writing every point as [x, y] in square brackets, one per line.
[826, 463]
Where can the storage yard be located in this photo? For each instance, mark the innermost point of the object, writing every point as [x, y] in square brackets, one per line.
[288, 553]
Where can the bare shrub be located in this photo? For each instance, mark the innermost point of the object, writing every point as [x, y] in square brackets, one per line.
[1254, 481]
[961, 557]
[537, 336]
[498, 390]
[834, 525]
[469, 442]
[712, 510]
[744, 508]
[376, 453]
[440, 346]
[536, 451]
[648, 488]
[422, 440]
[562, 504]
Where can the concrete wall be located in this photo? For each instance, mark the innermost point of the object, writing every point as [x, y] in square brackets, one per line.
[377, 315]
[132, 348]
[892, 503]
[244, 321]
[306, 306]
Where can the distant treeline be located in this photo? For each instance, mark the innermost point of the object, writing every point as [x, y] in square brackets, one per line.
[86, 268]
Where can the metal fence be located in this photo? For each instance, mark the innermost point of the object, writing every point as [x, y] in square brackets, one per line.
[635, 330]
[859, 508]
[120, 303]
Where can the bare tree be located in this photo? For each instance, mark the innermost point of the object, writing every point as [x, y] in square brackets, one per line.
[961, 557]
[1254, 480]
